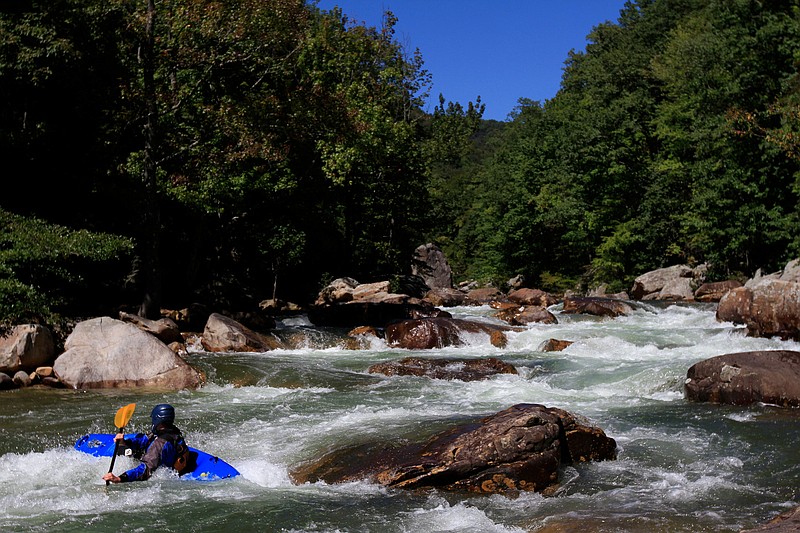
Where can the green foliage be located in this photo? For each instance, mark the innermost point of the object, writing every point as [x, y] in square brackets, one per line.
[663, 146]
[43, 267]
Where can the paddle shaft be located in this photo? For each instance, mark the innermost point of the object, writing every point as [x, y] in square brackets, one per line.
[113, 458]
[120, 421]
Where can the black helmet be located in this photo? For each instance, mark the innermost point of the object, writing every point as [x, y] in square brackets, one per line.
[162, 413]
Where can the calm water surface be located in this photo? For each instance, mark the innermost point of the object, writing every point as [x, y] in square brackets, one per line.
[681, 467]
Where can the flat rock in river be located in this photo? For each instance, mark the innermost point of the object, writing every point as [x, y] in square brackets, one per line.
[771, 377]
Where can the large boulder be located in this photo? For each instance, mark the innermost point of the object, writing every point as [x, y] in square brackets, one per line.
[429, 263]
[428, 333]
[744, 378]
[649, 285]
[596, 306]
[770, 308]
[25, 347]
[453, 369]
[224, 334]
[108, 353]
[518, 449]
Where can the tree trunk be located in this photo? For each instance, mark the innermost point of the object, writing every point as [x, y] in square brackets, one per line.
[151, 303]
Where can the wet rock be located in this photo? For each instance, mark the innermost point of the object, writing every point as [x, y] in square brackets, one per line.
[771, 377]
[224, 334]
[518, 449]
[713, 292]
[554, 345]
[788, 522]
[522, 315]
[108, 353]
[770, 308]
[430, 333]
[596, 306]
[455, 369]
[26, 347]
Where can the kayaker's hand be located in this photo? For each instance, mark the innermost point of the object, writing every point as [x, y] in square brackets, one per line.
[119, 437]
[111, 477]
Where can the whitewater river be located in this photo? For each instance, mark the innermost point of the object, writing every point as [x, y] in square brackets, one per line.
[682, 466]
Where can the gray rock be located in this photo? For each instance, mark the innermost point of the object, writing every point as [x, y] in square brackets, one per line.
[22, 379]
[108, 353]
[430, 264]
[26, 347]
[223, 334]
[655, 280]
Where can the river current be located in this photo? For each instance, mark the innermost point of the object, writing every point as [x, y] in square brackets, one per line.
[682, 466]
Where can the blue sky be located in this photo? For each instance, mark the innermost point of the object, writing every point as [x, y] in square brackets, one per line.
[501, 50]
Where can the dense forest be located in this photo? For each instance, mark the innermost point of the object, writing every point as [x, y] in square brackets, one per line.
[223, 152]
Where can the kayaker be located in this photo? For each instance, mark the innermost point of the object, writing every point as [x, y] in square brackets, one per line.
[164, 445]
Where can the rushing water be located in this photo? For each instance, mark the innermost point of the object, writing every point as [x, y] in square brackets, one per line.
[682, 466]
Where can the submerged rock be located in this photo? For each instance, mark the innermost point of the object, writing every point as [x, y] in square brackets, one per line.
[458, 369]
[771, 377]
[518, 449]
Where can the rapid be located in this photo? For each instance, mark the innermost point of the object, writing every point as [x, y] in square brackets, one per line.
[681, 466]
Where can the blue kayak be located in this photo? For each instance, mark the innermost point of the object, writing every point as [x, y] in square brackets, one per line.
[204, 467]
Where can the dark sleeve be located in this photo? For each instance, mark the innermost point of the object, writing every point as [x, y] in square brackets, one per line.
[151, 459]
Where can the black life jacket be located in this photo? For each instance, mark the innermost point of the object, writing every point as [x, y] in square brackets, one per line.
[183, 462]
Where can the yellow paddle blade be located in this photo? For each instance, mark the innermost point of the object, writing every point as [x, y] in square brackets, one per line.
[124, 415]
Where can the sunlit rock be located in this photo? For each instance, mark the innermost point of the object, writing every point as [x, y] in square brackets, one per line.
[26, 347]
[649, 285]
[107, 353]
[770, 308]
[518, 449]
[771, 377]
[224, 334]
